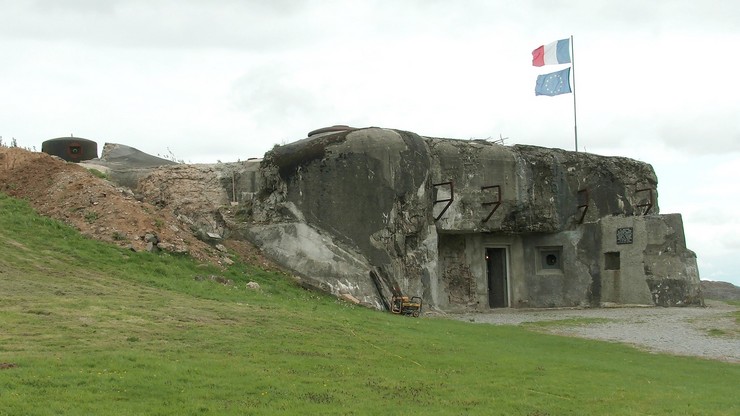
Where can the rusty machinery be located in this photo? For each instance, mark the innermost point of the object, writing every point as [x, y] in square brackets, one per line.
[403, 305]
[398, 303]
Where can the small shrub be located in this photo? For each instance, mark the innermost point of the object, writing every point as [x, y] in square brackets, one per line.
[91, 217]
[98, 173]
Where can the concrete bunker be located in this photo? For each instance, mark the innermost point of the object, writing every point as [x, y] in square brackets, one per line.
[469, 224]
[465, 224]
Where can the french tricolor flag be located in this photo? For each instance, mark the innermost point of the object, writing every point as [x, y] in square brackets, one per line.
[554, 53]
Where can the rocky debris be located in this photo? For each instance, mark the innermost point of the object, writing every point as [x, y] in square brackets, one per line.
[198, 194]
[720, 290]
[253, 286]
[151, 242]
[96, 207]
[349, 298]
[202, 197]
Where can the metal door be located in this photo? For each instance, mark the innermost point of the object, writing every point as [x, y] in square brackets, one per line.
[497, 282]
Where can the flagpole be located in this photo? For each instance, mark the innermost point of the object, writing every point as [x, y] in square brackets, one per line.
[573, 70]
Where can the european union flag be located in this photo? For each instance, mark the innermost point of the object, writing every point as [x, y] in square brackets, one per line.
[554, 83]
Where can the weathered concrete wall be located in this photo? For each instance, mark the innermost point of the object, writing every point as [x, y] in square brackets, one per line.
[653, 265]
[463, 270]
[539, 187]
[369, 190]
[320, 261]
[529, 283]
[457, 281]
[415, 209]
[554, 200]
[564, 284]
[470, 166]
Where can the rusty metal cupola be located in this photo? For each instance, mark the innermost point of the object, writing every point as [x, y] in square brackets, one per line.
[71, 149]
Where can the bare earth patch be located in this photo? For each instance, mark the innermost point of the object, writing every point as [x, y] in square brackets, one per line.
[96, 207]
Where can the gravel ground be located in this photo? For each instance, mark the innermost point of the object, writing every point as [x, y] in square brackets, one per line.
[680, 331]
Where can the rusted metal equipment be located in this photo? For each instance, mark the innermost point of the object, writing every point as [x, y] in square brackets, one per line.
[403, 305]
[647, 205]
[398, 303]
[447, 200]
[583, 200]
[496, 203]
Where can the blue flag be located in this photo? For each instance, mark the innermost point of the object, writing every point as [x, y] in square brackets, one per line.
[554, 83]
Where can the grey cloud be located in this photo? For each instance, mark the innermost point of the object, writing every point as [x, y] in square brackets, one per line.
[732, 244]
[53, 7]
[271, 96]
[253, 25]
[639, 15]
[702, 133]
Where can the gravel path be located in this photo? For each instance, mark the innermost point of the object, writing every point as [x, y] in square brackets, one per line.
[680, 331]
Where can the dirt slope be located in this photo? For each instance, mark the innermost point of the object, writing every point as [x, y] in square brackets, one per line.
[70, 193]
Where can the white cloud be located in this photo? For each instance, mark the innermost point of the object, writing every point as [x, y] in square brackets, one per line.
[228, 79]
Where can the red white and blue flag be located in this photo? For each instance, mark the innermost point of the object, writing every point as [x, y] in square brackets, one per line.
[554, 53]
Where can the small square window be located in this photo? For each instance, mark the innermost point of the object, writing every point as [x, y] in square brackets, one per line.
[550, 259]
[611, 261]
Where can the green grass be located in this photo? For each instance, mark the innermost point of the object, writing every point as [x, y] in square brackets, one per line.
[98, 173]
[716, 332]
[735, 314]
[94, 329]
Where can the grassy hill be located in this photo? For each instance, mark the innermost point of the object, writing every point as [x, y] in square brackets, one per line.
[89, 328]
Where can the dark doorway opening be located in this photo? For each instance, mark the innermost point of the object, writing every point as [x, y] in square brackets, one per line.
[497, 282]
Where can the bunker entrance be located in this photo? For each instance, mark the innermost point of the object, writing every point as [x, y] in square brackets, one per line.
[497, 282]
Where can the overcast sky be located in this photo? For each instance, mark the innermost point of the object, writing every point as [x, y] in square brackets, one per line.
[227, 80]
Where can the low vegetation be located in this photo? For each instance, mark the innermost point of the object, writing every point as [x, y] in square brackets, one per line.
[89, 328]
[735, 314]
[98, 173]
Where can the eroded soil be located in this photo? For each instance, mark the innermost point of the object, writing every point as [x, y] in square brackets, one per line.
[96, 207]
